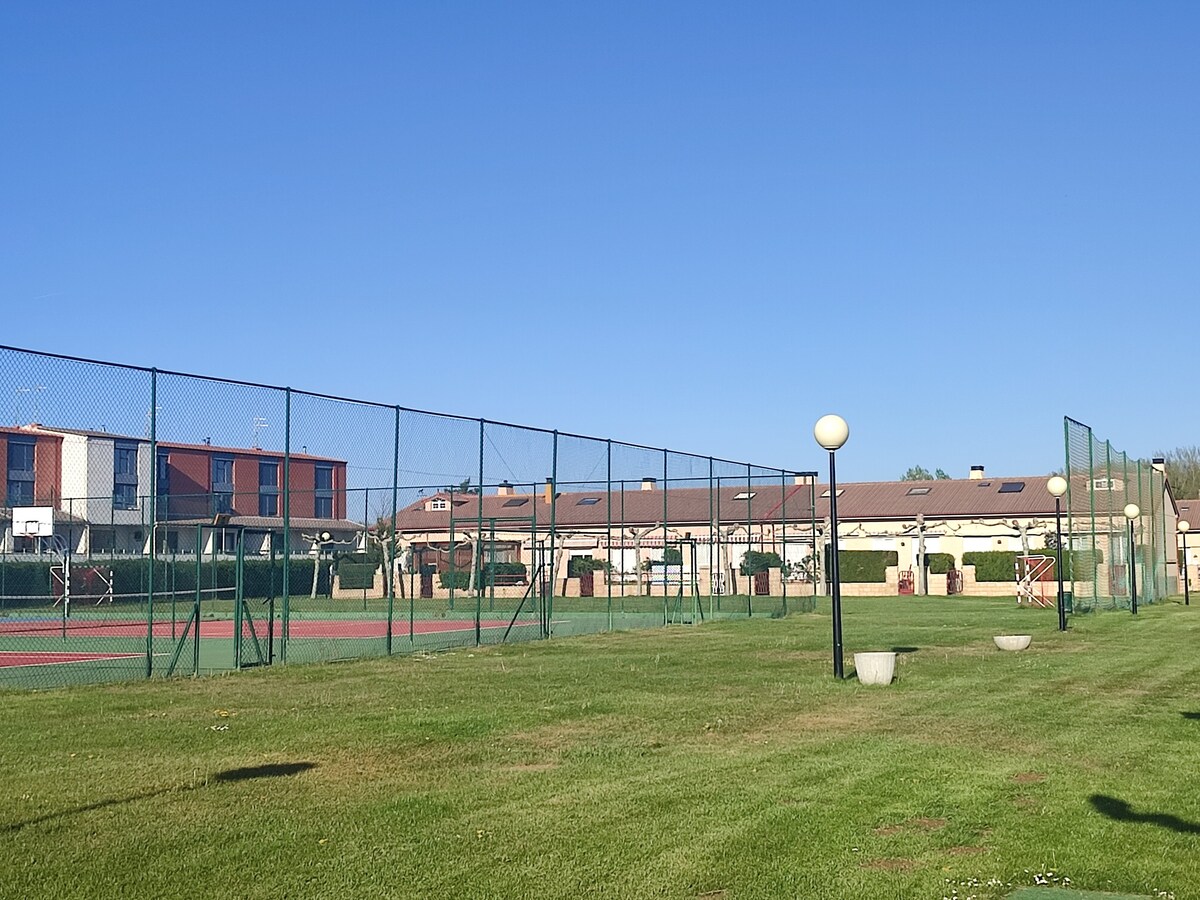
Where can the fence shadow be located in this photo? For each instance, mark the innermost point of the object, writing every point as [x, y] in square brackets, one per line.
[1121, 811]
[273, 770]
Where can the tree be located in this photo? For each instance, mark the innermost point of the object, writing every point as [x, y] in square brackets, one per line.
[463, 487]
[1183, 471]
[920, 473]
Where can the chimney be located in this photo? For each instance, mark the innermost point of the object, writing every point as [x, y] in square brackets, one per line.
[549, 491]
[804, 478]
[504, 489]
[648, 483]
[1159, 464]
[976, 473]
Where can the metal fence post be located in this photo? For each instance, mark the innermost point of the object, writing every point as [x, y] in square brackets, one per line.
[284, 631]
[153, 493]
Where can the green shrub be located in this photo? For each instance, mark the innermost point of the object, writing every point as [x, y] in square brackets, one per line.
[458, 580]
[939, 563]
[993, 565]
[756, 561]
[356, 575]
[577, 565]
[865, 566]
[503, 572]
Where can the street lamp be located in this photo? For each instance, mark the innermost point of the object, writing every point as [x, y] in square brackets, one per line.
[1057, 486]
[1183, 527]
[1131, 513]
[831, 433]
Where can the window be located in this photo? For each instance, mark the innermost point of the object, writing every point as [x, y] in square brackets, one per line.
[1012, 487]
[438, 504]
[163, 473]
[268, 488]
[323, 492]
[20, 472]
[125, 496]
[985, 484]
[516, 501]
[839, 493]
[748, 495]
[222, 484]
[916, 491]
[125, 478]
[588, 501]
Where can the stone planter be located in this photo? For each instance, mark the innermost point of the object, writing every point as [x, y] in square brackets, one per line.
[875, 668]
[1012, 641]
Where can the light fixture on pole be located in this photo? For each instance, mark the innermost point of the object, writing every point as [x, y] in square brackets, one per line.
[831, 433]
[1183, 527]
[1057, 486]
[1131, 513]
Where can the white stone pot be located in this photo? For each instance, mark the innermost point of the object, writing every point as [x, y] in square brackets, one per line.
[875, 668]
[1012, 641]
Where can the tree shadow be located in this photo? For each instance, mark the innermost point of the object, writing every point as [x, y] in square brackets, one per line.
[273, 770]
[1113, 808]
[1191, 715]
[270, 770]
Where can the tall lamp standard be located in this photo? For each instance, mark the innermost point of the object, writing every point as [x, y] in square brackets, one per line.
[831, 433]
[1131, 513]
[1183, 527]
[1057, 486]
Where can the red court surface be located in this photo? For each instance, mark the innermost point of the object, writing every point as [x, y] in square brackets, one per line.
[12, 660]
[333, 629]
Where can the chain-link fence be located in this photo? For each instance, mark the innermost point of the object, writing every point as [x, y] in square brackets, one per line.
[1113, 557]
[159, 523]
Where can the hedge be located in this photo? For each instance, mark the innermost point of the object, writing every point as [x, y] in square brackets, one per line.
[261, 578]
[864, 566]
[755, 561]
[1001, 565]
[939, 563]
[356, 575]
[458, 580]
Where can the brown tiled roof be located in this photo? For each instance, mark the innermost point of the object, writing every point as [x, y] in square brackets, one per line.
[857, 501]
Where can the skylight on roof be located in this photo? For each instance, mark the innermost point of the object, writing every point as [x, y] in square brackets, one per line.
[588, 501]
[839, 493]
[985, 484]
[745, 495]
[1012, 487]
[918, 490]
[516, 501]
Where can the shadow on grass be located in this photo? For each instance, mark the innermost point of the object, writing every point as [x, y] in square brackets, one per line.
[271, 770]
[1113, 808]
[245, 774]
[1191, 715]
[905, 649]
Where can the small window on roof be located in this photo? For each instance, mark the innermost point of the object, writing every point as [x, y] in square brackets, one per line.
[1012, 487]
[985, 484]
[438, 504]
[839, 493]
[745, 495]
[588, 501]
[918, 490]
[516, 501]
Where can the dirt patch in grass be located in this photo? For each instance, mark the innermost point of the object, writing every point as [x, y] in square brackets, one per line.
[560, 736]
[966, 851]
[1029, 777]
[891, 864]
[922, 823]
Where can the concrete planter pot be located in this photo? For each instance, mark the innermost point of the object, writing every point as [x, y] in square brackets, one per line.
[875, 668]
[1013, 641]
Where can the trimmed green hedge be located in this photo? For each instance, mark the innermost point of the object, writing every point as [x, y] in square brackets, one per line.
[1001, 565]
[261, 578]
[939, 563]
[755, 561]
[508, 571]
[356, 575]
[864, 566]
[576, 566]
[458, 580]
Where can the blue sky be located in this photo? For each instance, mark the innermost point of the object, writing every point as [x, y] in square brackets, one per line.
[691, 225]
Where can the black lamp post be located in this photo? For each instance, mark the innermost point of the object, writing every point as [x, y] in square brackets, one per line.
[1132, 512]
[1183, 527]
[831, 433]
[1057, 486]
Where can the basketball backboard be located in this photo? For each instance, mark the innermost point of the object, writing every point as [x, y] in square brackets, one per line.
[33, 521]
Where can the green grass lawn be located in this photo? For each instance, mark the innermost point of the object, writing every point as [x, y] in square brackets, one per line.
[720, 761]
